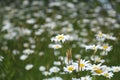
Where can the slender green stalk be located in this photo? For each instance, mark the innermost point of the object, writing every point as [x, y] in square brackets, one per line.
[94, 77]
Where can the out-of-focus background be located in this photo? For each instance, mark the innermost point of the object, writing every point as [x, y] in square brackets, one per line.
[27, 26]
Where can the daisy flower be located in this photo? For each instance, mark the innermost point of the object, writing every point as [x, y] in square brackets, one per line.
[86, 78]
[92, 47]
[106, 47]
[55, 46]
[59, 37]
[57, 63]
[54, 69]
[108, 74]
[115, 68]
[29, 66]
[75, 78]
[100, 36]
[1, 58]
[69, 68]
[97, 59]
[96, 69]
[46, 73]
[110, 37]
[23, 57]
[28, 51]
[82, 65]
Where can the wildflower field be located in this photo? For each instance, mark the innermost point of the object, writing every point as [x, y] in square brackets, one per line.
[59, 40]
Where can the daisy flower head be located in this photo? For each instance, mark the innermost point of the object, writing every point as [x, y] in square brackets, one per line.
[108, 74]
[53, 78]
[107, 36]
[115, 68]
[42, 68]
[86, 78]
[59, 38]
[97, 59]
[23, 57]
[83, 65]
[75, 78]
[29, 66]
[54, 69]
[106, 47]
[28, 51]
[57, 63]
[100, 36]
[55, 46]
[106, 68]
[97, 69]
[104, 53]
[69, 68]
[1, 58]
[46, 73]
[92, 47]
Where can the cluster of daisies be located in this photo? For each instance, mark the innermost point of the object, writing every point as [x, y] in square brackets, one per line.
[100, 44]
[92, 68]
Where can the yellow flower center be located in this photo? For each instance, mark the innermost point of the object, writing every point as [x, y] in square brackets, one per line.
[57, 47]
[70, 68]
[106, 74]
[60, 37]
[98, 59]
[100, 35]
[82, 65]
[99, 71]
[105, 47]
[116, 69]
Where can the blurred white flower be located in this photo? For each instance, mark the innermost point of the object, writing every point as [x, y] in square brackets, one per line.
[46, 73]
[55, 46]
[41, 53]
[42, 68]
[97, 59]
[54, 69]
[116, 68]
[76, 79]
[110, 37]
[100, 36]
[15, 52]
[52, 4]
[54, 78]
[108, 74]
[104, 53]
[29, 66]
[30, 21]
[1, 58]
[26, 45]
[86, 78]
[57, 63]
[23, 57]
[92, 47]
[39, 32]
[28, 51]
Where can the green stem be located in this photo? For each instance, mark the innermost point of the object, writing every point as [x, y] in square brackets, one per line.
[94, 77]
